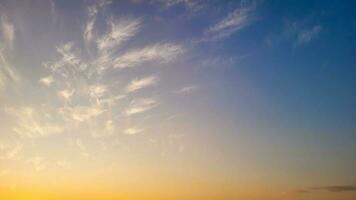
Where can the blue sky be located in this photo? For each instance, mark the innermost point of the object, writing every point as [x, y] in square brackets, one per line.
[257, 95]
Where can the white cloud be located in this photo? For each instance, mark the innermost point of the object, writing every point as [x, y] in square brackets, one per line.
[88, 30]
[132, 131]
[68, 56]
[103, 128]
[187, 89]
[120, 31]
[140, 105]
[160, 52]
[109, 127]
[94, 9]
[8, 75]
[138, 84]
[80, 113]
[110, 101]
[66, 94]
[233, 22]
[47, 81]
[97, 91]
[32, 123]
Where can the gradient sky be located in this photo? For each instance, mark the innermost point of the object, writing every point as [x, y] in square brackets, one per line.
[177, 100]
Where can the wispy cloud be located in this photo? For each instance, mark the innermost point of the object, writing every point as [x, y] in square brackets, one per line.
[233, 22]
[11, 153]
[52, 5]
[333, 188]
[7, 31]
[80, 113]
[300, 33]
[32, 123]
[38, 163]
[160, 52]
[306, 35]
[66, 94]
[8, 75]
[82, 147]
[88, 34]
[191, 4]
[132, 131]
[336, 188]
[187, 89]
[98, 91]
[63, 164]
[140, 105]
[138, 84]
[120, 31]
[47, 81]
[94, 9]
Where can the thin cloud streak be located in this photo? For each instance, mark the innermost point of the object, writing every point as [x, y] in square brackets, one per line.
[187, 89]
[140, 105]
[233, 22]
[162, 53]
[132, 131]
[305, 36]
[138, 84]
[337, 188]
[7, 31]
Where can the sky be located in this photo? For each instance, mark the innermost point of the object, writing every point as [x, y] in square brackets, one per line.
[177, 100]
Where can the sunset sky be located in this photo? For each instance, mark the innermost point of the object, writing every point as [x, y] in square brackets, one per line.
[177, 100]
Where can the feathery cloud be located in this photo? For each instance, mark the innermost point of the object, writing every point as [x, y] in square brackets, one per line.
[94, 9]
[32, 123]
[233, 22]
[88, 30]
[160, 52]
[120, 31]
[140, 105]
[138, 84]
[80, 113]
[7, 73]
